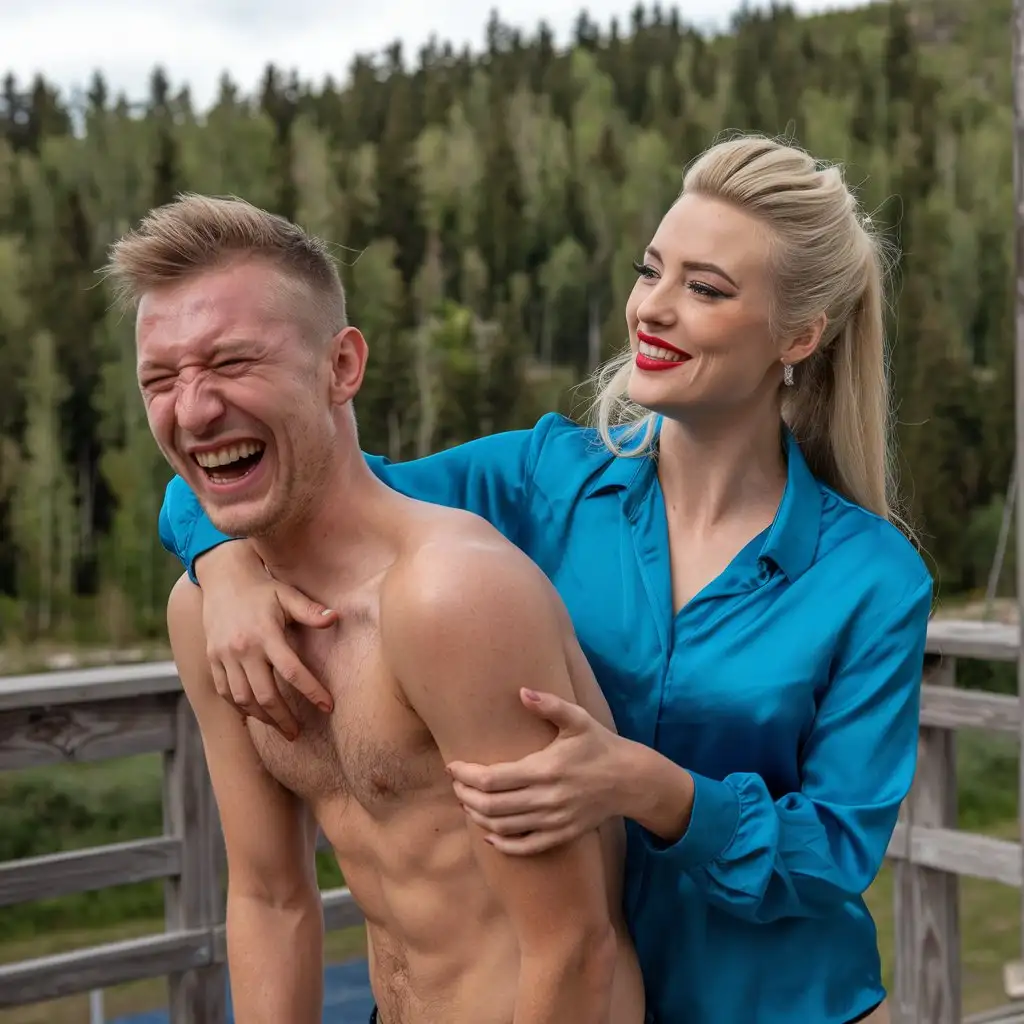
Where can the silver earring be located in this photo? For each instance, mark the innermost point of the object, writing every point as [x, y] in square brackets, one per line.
[787, 374]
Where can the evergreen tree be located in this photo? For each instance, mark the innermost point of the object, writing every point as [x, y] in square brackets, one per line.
[42, 512]
[485, 210]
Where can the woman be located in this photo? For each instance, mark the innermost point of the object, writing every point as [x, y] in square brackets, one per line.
[723, 542]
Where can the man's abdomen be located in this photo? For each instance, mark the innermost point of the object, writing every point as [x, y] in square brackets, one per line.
[441, 948]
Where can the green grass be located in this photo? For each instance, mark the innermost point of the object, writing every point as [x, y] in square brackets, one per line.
[138, 776]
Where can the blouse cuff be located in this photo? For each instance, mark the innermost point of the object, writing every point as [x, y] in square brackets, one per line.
[203, 537]
[713, 822]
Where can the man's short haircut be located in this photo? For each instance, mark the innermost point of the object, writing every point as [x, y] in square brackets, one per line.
[198, 233]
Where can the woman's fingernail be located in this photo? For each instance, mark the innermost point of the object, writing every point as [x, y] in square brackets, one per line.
[532, 695]
[326, 611]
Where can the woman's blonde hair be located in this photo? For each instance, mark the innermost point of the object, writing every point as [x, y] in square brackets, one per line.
[825, 259]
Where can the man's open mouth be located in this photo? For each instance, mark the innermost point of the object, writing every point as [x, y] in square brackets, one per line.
[231, 463]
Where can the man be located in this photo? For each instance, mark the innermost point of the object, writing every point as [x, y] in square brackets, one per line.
[248, 371]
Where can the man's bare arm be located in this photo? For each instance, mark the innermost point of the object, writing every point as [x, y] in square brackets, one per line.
[464, 628]
[274, 914]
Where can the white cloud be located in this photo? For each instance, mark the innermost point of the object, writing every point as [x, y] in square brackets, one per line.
[197, 40]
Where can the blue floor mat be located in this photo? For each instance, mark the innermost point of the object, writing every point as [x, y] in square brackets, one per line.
[347, 998]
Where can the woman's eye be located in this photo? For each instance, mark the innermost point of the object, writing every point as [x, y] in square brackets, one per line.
[704, 289]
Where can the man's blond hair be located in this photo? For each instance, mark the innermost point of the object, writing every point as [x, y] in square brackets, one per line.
[198, 233]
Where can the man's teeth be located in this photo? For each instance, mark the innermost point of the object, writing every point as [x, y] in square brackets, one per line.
[225, 456]
[657, 352]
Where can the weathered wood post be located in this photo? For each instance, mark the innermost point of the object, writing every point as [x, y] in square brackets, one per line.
[926, 913]
[193, 898]
[1018, 196]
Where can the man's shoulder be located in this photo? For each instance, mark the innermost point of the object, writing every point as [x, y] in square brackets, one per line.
[463, 621]
[456, 583]
[457, 562]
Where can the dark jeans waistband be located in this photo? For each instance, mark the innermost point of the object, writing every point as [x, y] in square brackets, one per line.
[649, 1017]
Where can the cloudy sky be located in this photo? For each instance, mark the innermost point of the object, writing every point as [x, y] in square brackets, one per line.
[195, 40]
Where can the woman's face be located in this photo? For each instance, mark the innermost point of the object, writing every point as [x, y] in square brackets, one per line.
[698, 315]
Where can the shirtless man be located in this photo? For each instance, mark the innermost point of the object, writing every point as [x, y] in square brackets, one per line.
[248, 371]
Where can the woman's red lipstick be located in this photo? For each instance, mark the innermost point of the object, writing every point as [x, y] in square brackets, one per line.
[646, 362]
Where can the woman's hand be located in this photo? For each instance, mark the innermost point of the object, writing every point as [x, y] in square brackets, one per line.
[550, 797]
[245, 612]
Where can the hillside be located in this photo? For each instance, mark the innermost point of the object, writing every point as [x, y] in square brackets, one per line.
[495, 203]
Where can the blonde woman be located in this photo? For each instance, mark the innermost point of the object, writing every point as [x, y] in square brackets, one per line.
[724, 540]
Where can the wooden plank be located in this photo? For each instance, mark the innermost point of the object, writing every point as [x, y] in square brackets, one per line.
[1013, 979]
[193, 900]
[59, 874]
[1017, 63]
[152, 956]
[903, 997]
[958, 853]
[340, 910]
[993, 641]
[1012, 1014]
[962, 638]
[35, 737]
[944, 707]
[47, 689]
[927, 969]
[64, 974]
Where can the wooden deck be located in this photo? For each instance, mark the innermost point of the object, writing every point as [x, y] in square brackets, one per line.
[98, 714]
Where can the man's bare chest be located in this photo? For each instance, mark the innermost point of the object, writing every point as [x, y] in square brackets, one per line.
[371, 747]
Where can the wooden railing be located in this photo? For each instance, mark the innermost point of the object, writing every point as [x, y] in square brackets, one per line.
[99, 714]
[930, 854]
[106, 713]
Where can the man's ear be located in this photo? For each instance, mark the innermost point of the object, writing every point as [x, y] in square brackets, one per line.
[349, 352]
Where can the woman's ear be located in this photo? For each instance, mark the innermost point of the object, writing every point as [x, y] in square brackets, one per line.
[806, 343]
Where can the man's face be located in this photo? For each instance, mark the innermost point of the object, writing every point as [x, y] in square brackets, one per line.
[241, 398]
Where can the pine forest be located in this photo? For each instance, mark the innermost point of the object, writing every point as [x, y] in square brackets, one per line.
[485, 208]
